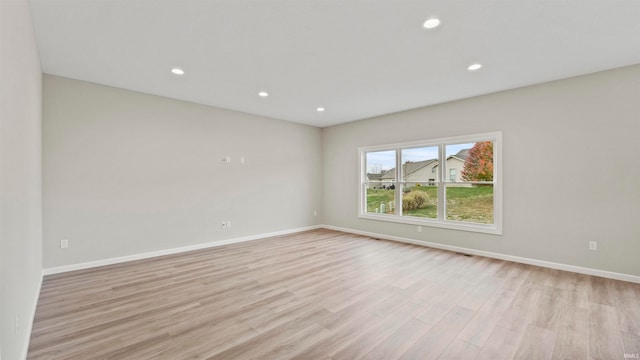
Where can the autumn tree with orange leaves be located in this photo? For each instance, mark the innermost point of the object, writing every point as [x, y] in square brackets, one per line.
[479, 165]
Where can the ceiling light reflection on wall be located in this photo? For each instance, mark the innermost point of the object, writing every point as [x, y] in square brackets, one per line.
[263, 94]
[177, 71]
[320, 109]
[474, 67]
[431, 23]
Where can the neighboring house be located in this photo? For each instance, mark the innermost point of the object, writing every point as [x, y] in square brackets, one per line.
[419, 171]
[378, 181]
[455, 164]
[373, 177]
[424, 172]
[463, 154]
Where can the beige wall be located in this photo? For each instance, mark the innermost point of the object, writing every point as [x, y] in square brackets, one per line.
[20, 177]
[128, 173]
[560, 129]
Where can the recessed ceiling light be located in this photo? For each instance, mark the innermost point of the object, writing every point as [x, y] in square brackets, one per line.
[320, 109]
[177, 71]
[431, 23]
[263, 94]
[474, 67]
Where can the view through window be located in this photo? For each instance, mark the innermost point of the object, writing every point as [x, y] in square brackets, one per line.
[444, 182]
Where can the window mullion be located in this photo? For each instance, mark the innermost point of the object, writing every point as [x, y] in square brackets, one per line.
[398, 190]
[442, 164]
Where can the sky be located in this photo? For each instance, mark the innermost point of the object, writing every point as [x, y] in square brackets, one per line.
[379, 161]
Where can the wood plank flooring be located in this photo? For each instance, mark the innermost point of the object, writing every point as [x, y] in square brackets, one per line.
[330, 295]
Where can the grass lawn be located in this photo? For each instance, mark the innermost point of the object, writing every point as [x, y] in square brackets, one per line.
[471, 204]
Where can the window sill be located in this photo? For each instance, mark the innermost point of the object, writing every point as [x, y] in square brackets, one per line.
[452, 225]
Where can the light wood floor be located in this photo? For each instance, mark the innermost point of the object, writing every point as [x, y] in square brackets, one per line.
[329, 295]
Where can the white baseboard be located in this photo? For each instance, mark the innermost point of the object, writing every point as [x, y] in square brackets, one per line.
[111, 261]
[32, 316]
[517, 259]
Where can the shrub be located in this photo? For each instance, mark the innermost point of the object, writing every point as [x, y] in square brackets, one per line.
[408, 203]
[414, 200]
[421, 198]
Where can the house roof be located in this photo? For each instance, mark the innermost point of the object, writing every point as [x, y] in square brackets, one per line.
[410, 168]
[461, 155]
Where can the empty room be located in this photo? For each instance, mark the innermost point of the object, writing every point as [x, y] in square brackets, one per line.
[317, 179]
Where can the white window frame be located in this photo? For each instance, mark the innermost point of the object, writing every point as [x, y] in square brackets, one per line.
[441, 181]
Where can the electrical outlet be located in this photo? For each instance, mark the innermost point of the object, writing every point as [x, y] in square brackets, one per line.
[226, 159]
[419, 228]
[315, 213]
[64, 244]
[223, 225]
[593, 245]
[228, 224]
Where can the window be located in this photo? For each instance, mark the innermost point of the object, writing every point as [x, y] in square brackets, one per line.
[451, 183]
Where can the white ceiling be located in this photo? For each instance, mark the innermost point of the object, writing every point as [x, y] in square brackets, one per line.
[357, 59]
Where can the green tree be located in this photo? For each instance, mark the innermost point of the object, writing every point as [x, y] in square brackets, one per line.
[479, 165]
